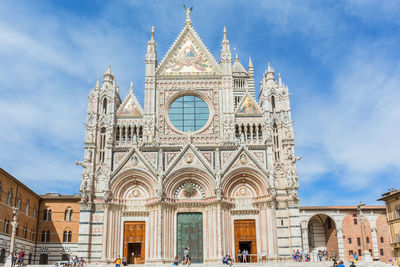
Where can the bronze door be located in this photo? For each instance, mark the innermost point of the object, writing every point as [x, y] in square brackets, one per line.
[134, 241]
[190, 234]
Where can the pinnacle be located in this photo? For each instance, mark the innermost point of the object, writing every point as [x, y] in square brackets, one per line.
[250, 63]
[131, 88]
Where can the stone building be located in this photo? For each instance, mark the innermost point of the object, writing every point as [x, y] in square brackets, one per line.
[392, 201]
[201, 165]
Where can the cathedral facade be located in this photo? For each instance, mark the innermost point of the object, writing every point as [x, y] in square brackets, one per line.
[202, 165]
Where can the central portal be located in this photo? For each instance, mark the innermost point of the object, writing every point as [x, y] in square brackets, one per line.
[190, 234]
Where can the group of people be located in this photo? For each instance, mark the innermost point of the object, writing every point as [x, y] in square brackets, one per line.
[74, 262]
[121, 260]
[322, 255]
[300, 256]
[227, 259]
[243, 256]
[185, 259]
[17, 259]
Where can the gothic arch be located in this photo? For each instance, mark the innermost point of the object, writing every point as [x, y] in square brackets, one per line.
[129, 178]
[245, 175]
[322, 234]
[192, 174]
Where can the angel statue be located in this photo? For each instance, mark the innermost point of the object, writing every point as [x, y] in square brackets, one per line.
[188, 11]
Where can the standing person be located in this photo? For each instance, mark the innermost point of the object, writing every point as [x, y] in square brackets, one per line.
[352, 264]
[81, 262]
[13, 259]
[263, 256]
[118, 261]
[294, 255]
[21, 256]
[355, 257]
[76, 261]
[239, 256]
[186, 255]
[124, 262]
[244, 255]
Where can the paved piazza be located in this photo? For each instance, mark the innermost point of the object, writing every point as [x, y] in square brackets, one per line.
[202, 164]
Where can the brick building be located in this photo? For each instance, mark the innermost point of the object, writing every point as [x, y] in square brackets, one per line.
[47, 225]
[392, 201]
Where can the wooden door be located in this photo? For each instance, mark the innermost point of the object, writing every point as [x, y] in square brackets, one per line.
[190, 234]
[245, 237]
[134, 242]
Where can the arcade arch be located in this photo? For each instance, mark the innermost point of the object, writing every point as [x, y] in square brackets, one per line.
[322, 235]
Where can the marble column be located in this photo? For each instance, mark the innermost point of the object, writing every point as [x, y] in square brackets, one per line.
[375, 243]
[14, 225]
[340, 242]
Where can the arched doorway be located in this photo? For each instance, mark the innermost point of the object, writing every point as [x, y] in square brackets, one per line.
[322, 237]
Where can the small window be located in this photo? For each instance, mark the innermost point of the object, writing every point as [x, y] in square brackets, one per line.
[359, 252]
[354, 215]
[382, 240]
[9, 198]
[19, 203]
[69, 237]
[329, 222]
[281, 222]
[47, 214]
[105, 105]
[273, 102]
[349, 241]
[27, 208]
[355, 221]
[34, 212]
[367, 239]
[350, 252]
[65, 236]
[381, 252]
[358, 241]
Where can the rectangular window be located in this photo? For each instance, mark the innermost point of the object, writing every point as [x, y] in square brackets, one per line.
[367, 239]
[382, 240]
[381, 251]
[349, 240]
[359, 252]
[358, 241]
[355, 221]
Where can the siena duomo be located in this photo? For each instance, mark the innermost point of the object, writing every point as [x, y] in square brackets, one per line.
[202, 164]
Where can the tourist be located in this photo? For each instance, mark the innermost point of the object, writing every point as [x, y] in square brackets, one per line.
[176, 261]
[352, 264]
[294, 255]
[225, 259]
[239, 256]
[355, 257]
[341, 264]
[124, 262]
[71, 261]
[118, 261]
[244, 255]
[76, 261]
[13, 259]
[186, 255]
[21, 256]
[81, 262]
[56, 264]
[230, 261]
[263, 256]
[334, 263]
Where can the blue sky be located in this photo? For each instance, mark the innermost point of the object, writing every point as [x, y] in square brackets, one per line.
[340, 59]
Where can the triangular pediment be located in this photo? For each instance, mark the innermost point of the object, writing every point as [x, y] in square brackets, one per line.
[244, 158]
[130, 107]
[134, 160]
[188, 55]
[189, 157]
[248, 107]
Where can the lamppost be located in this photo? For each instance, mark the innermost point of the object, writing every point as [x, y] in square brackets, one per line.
[366, 256]
[14, 225]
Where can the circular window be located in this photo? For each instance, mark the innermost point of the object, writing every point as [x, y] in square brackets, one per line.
[188, 113]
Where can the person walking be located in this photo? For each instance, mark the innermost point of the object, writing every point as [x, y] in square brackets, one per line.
[124, 262]
[13, 259]
[186, 254]
[118, 261]
[239, 256]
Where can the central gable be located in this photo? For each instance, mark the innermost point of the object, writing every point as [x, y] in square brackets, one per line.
[188, 56]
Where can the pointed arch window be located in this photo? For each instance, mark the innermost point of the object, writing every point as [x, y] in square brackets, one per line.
[102, 144]
[9, 197]
[68, 214]
[273, 102]
[34, 212]
[276, 140]
[47, 214]
[67, 236]
[6, 225]
[27, 207]
[45, 236]
[105, 105]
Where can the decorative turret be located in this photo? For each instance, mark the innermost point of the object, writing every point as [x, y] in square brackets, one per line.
[226, 56]
[151, 56]
[108, 75]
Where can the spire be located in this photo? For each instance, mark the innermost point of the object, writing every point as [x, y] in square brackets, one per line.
[131, 88]
[250, 63]
[108, 75]
[151, 55]
[279, 80]
[152, 33]
[98, 82]
[237, 58]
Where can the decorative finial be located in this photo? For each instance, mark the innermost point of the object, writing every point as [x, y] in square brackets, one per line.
[250, 63]
[131, 88]
[279, 80]
[98, 82]
[224, 33]
[269, 66]
[152, 33]
[188, 11]
[109, 69]
[237, 57]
